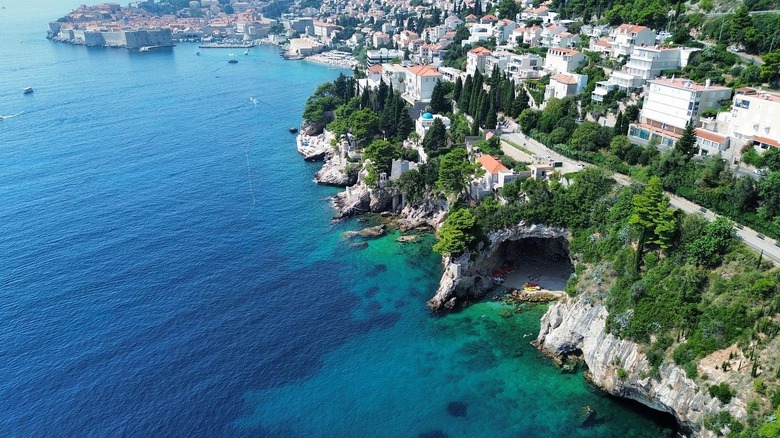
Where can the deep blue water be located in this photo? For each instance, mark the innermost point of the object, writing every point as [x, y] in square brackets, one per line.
[167, 268]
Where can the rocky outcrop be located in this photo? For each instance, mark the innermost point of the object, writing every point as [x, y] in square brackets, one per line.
[310, 128]
[315, 148]
[336, 172]
[469, 277]
[574, 327]
[359, 199]
[427, 213]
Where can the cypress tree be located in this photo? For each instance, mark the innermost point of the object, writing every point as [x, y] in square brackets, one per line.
[365, 98]
[484, 107]
[465, 95]
[457, 90]
[438, 101]
[491, 120]
[619, 124]
[475, 127]
[381, 96]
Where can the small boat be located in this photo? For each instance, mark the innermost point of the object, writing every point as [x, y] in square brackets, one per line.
[293, 130]
[246, 52]
[27, 90]
[233, 61]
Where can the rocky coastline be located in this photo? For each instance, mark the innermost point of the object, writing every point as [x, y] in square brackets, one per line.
[570, 327]
[620, 367]
[468, 277]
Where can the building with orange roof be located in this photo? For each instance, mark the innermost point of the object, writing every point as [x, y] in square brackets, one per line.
[420, 80]
[475, 59]
[496, 176]
[563, 60]
[627, 36]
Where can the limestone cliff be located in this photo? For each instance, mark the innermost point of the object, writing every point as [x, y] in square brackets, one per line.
[336, 172]
[469, 277]
[575, 327]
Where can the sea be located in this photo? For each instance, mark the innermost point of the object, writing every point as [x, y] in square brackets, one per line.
[168, 268]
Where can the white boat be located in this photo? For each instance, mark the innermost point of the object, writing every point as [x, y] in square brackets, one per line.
[144, 49]
[246, 52]
[27, 90]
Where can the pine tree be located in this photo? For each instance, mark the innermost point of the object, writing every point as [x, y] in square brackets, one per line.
[686, 145]
[457, 90]
[655, 219]
[740, 21]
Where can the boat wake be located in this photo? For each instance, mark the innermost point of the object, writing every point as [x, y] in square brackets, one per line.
[11, 116]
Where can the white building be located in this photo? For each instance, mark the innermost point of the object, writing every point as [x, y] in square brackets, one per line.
[627, 36]
[478, 32]
[670, 104]
[525, 66]
[475, 60]
[548, 33]
[647, 62]
[495, 177]
[755, 117]
[498, 59]
[420, 81]
[562, 85]
[562, 60]
[425, 121]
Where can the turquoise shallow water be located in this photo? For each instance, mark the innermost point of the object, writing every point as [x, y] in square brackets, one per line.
[169, 269]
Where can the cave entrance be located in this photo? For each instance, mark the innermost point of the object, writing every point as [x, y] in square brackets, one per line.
[540, 260]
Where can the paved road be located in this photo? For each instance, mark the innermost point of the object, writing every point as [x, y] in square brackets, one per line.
[754, 240]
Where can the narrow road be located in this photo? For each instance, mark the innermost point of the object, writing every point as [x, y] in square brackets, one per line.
[539, 152]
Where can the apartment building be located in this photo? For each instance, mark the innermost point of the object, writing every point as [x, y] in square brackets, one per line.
[670, 104]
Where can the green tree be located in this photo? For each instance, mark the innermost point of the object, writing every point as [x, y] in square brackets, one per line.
[740, 22]
[708, 249]
[686, 145]
[654, 218]
[520, 103]
[528, 119]
[770, 71]
[769, 189]
[457, 90]
[438, 101]
[586, 135]
[744, 194]
[457, 233]
[364, 125]
[381, 153]
[436, 137]
[508, 9]
[455, 172]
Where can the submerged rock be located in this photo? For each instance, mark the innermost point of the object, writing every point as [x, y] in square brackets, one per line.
[407, 239]
[370, 232]
[432, 434]
[457, 408]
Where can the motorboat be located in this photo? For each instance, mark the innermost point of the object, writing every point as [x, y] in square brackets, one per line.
[27, 90]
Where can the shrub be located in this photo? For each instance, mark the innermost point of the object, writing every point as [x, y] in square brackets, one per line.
[722, 392]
